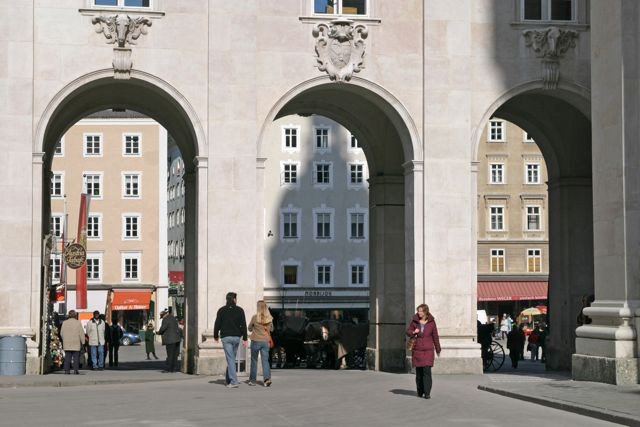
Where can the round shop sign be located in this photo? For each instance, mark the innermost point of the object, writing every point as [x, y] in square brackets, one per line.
[75, 255]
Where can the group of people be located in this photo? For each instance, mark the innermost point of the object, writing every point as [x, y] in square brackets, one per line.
[516, 341]
[99, 337]
[230, 327]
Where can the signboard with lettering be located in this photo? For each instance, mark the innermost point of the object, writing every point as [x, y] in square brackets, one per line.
[75, 255]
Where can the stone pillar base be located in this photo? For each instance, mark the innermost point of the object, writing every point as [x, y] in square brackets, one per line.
[618, 371]
[389, 360]
[211, 362]
[33, 365]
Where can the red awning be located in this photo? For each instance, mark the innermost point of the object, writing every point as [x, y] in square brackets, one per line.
[176, 277]
[512, 291]
[131, 301]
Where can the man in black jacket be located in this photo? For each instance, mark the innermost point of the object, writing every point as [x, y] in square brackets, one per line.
[115, 335]
[170, 332]
[231, 325]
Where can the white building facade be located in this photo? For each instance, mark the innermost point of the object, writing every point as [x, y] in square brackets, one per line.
[316, 220]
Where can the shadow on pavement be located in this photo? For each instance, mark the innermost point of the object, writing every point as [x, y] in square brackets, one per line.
[402, 392]
[218, 382]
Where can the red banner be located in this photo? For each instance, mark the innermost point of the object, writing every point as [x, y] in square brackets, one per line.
[61, 293]
[81, 273]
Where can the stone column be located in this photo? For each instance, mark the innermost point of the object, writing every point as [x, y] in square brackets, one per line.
[386, 350]
[260, 230]
[38, 212]
[607, 349]
[570, 264]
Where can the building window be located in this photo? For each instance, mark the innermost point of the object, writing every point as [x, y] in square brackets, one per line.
[548, 10]
[533, 218]
[290, 136]
[497, 261]
[58, 151]
[290, 274]
[496, 173]
[289, 225]
[323, 225]
[56, 225]
[182, 216]
[324, 272]
[131, 145]
[57, 184]
[94, 267]
[357, 225]
[340, 7]
[55, 264]
[497, 218]
[533, 173]
[322, 173]
[289, 173]
[131, 185]
[92, 145]
[123, 3]
[131, 266]
[131, 224]
[353, 143]
[496, 131]
[357, 273]
[534, 260]
[527, 138]
[93, 184]
[322, 139]
[94, 226]
[356, 174]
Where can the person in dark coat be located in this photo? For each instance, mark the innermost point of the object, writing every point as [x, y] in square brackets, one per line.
[423, 328]
[170, 339]
[149, 341]
[231, 326]
[515, 342]
[115, 335]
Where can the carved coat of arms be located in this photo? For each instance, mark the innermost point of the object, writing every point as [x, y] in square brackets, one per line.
[340, 48]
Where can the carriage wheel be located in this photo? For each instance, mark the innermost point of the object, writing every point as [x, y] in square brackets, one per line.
[278, 357]
[495, 358]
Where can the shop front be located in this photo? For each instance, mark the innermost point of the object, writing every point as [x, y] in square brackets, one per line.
[498, 298]
[132, 308]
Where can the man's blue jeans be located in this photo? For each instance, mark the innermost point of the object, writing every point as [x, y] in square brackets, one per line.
[262, 348]
[230, 346]
[97, 356]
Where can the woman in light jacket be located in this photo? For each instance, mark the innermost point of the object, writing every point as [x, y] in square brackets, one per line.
[423, 327]
[260, 328]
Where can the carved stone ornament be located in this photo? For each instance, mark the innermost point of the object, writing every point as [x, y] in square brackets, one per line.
[550, 44]
[340, 48]
[124, 31]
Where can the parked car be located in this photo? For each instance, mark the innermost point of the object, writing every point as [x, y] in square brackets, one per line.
[130, 338]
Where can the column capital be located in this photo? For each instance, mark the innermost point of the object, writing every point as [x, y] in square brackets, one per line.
[37, 158]
[201, 162]
[413, 166]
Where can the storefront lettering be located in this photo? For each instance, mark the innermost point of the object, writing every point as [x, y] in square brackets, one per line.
[317, 293]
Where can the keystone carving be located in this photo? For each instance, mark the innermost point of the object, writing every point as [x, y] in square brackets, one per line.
[550, 44]
[340, 48]
[123, 31]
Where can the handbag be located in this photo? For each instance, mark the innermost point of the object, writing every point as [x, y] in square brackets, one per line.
[411, 344]
[271, 345]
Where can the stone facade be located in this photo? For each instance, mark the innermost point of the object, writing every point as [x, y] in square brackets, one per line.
[216, 74]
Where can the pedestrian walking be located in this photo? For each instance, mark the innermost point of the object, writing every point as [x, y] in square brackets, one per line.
[115, 335]
[73, 339]
[230, 326]
[95, 331]
[534, 340]
[260, 328]
[107, 343]
[423, 332]
[149, 341]
[504, 327]
[542, 338]
[170, 339]
[515, 341]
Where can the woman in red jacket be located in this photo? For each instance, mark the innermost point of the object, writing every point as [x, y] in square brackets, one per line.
[423, 327]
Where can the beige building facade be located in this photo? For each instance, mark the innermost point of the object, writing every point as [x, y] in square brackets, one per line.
[119, 159]
[415, 81]
[513, 237]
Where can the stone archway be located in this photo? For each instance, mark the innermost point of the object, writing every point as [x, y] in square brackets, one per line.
[560, 123]
[157, 99]
[394, 154]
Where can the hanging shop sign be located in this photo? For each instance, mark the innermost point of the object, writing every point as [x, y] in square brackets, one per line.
[75, 255]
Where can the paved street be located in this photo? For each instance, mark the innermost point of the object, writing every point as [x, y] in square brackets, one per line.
[297, 398]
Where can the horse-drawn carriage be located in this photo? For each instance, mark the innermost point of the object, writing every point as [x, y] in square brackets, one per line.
[328, 344]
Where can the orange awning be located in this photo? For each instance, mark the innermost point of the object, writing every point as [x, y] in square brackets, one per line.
[512, 291]
[131, 301]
